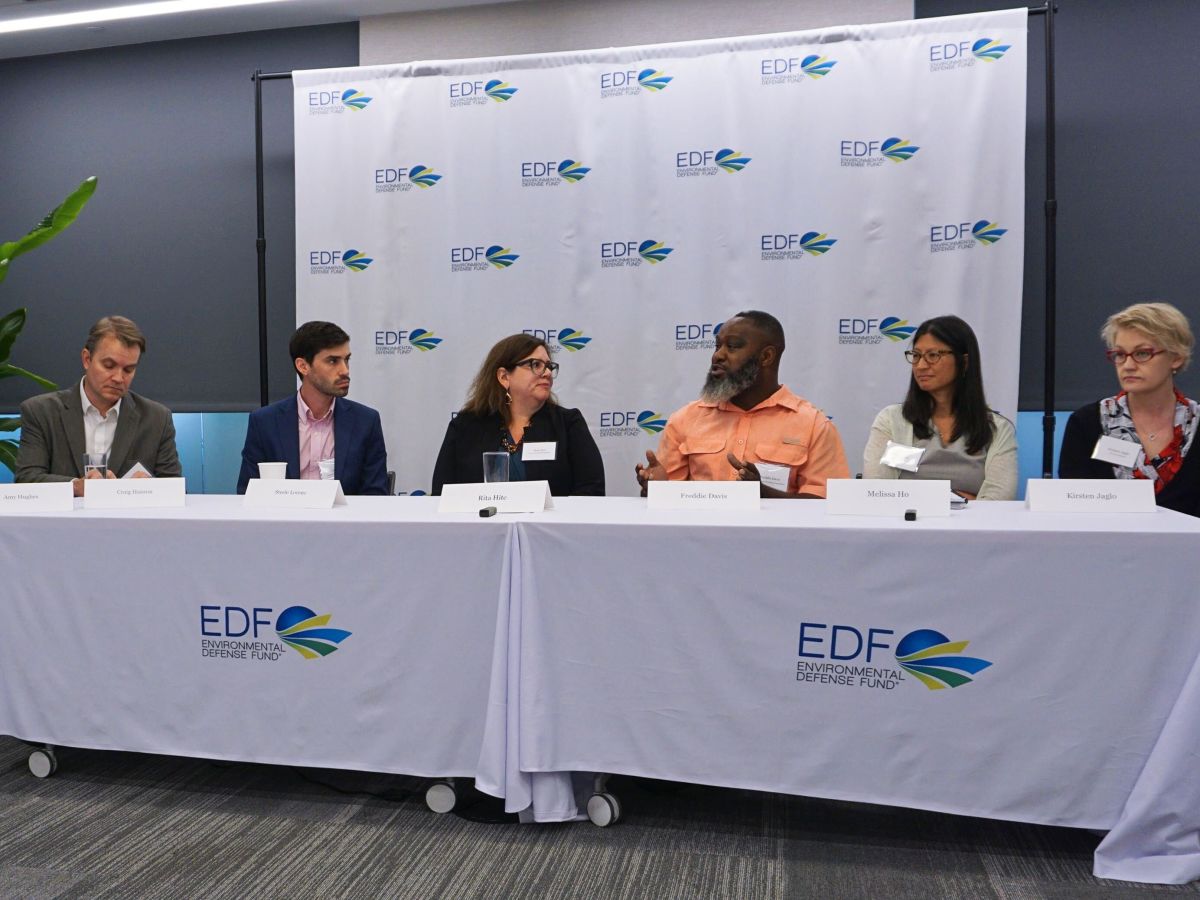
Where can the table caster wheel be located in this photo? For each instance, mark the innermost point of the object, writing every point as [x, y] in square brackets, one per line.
[441, 797]
[43, 763]
[603, 809]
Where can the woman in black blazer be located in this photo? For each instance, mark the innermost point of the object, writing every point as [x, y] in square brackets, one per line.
[1149, 344]
[510, 405]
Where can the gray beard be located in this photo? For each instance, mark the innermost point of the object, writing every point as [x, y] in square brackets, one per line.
[723, 388]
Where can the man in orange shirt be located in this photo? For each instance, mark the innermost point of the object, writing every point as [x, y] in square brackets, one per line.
[748, 426]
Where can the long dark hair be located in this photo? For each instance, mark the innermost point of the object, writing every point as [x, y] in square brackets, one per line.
[971, 418]
[486, 395]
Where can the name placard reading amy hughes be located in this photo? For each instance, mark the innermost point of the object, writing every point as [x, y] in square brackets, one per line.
[293, 493]
[506, 496]
[1135, 495]
[703, 495]
[133, 493]
[51, 496]
[886, 497]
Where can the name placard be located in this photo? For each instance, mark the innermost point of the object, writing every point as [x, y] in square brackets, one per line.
[133, 493]
[703, 495]
[886, 497]
[506, 496]
[49, 496]
[1135, 495]
[293, 493]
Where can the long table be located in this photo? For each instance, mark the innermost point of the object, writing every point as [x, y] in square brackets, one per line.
[781, 650]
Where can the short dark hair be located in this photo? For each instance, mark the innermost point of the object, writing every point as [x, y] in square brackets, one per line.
[766, 323]
[972, 420]
[313, 337]
[486, 396]
[123, 329]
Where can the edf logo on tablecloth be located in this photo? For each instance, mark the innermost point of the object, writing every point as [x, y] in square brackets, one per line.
[854, 656]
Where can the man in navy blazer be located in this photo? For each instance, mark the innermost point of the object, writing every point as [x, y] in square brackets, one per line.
[318, 422]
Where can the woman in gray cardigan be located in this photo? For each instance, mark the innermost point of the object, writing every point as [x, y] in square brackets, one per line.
[945, 415]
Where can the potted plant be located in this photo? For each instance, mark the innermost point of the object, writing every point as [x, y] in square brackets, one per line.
[11, 324]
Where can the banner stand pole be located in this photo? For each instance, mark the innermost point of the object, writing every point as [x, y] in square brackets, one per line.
[260, 243]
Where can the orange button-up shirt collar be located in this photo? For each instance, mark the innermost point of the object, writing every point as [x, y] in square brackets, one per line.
[785, 429]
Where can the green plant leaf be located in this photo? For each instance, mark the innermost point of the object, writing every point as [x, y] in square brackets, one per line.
[8, 370]
[8, 455]
[10, 327]
[4, 266]
[57, 219]
[10, 424]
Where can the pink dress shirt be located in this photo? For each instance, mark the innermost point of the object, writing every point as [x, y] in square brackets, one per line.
[316, 438]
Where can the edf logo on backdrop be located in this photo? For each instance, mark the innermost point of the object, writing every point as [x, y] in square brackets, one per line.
[478, 258]
[335, 101]
[337, 262]
[478, 93]
[693, 163]
[617, 254]
[401, 341]
[869, 154]
[964, 235]
[794, 69]
[557, 339]
[405, 178]
[962, 54]
[627, 423]
[627, 82]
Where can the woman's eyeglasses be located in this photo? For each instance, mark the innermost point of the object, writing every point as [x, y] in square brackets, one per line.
[538, 366]
[1140, 355]
[930, 356]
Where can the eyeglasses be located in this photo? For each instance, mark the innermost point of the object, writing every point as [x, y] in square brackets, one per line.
[538, 366]
[930, 356]
[1140, 355]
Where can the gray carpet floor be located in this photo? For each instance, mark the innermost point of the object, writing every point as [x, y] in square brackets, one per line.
[133, 825]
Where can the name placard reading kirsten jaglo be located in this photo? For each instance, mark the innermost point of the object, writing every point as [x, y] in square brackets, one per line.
[50, 496]
[703, 495]
[133, 493]
[886, 497]
[1134, 495]
[506, 496]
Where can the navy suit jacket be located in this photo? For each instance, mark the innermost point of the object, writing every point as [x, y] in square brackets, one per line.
[360, 458]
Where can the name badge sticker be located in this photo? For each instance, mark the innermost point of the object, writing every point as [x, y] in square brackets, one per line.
[538, 451]
[774, 476]
[1116, 451]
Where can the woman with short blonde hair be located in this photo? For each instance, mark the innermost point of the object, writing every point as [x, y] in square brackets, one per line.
[1149, 344]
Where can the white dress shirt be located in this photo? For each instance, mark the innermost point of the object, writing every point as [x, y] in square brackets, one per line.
[98, 430]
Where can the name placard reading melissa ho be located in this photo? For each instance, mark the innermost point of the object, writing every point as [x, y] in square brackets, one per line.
[506, 496]
[49, 496]
[886, 497]
[1134, 495]
[703, 495]
[133, 493]
[293, 493]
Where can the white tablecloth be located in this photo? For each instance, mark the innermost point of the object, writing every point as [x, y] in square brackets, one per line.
[668, 645]
[602, 636]
[102, 642]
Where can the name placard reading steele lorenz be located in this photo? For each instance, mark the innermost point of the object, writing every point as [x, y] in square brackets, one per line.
[133, 493]
[293, 493]
[703, 495]
[50, 496]
[886, 497]
[1135, 495]
[506, 496]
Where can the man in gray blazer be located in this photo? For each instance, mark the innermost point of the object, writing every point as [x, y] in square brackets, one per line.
[98, 415]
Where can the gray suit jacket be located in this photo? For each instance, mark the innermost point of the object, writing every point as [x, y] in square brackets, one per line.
[52, 438]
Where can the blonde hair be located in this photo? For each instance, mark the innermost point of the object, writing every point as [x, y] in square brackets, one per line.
[1161, 321]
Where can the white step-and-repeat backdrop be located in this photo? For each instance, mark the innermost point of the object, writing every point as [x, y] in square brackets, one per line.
[622, 203]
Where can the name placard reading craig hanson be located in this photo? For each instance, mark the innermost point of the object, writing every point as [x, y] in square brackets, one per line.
[506, 496]
[703, 495]
[886, 497]
[50, 496]
[1135, 495]
[293, 493]
[133, 493]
